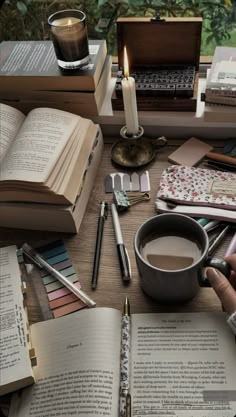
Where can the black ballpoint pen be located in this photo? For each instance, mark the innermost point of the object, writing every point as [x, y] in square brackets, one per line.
[121, 249]
[101, 220]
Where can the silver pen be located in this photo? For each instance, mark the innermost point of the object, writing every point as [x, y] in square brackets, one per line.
[125, 399]
[38, 260]
[121, 249]
[214, 243]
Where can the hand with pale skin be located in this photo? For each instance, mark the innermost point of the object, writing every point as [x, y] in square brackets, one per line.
[225, 288]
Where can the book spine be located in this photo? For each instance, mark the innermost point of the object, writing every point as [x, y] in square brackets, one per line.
[220, 91]
[229, 101]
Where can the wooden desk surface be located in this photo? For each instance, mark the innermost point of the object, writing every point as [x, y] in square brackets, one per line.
[111, 291]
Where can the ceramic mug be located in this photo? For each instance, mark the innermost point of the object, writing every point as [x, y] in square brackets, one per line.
[179, 284]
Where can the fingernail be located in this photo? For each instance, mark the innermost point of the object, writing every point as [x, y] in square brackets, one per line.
[212, 274]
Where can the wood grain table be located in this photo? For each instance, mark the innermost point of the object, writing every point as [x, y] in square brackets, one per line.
[111, 291]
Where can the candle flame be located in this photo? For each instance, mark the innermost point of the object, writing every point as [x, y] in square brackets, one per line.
[126, 63]
[69, 23]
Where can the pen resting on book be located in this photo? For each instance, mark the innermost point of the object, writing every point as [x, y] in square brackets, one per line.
[38, 260]
[125, 362]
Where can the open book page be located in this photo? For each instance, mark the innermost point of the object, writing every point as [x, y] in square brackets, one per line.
[176, 358]
[62, 170]
[15, 365]
[78, 360]
[10, 121]
[40, 141]
[70, 185]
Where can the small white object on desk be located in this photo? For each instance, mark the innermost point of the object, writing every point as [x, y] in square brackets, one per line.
[129, 98]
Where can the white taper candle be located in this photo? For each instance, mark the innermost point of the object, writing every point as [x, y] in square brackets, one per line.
[129, 99]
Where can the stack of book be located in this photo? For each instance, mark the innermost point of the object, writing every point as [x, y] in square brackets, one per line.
[220, 91]
[30, 77]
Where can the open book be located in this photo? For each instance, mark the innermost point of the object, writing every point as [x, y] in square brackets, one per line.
[182, 365]
[43, 156]
[16, 353]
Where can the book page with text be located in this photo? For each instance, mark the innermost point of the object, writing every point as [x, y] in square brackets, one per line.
[78, 359]
[15, 366]
[39, 143]
[10, 121]
[181, 360]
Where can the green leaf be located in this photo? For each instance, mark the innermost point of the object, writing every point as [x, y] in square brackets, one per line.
[102, 2]
[21, 7]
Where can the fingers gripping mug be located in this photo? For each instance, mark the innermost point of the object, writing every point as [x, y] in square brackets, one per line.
[171, 251]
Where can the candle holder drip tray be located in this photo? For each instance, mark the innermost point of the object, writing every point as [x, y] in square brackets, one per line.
[135, 150]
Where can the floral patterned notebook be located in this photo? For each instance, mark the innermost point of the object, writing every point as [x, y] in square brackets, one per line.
[197, 192]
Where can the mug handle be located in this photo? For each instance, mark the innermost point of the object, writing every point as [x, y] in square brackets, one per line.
[219, 264]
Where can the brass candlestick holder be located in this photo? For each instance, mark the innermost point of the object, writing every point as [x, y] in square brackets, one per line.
[135, 150]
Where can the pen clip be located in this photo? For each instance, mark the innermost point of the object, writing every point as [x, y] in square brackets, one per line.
[128, 262]
[104, 209]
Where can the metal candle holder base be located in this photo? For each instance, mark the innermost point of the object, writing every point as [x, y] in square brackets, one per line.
[134, 150]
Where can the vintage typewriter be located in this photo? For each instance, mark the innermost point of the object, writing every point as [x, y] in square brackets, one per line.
[163, 57]
[166, 81]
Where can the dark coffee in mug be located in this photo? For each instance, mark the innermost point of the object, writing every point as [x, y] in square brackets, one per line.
[170, 252]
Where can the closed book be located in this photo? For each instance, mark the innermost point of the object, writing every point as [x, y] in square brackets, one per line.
[83, 103]
[221, 79]
[221, 99]
[32, 65]
[221, 113]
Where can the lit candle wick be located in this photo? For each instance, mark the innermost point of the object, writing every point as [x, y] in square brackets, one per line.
[69, 23]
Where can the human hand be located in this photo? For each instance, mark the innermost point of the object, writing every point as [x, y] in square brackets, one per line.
[224, 288]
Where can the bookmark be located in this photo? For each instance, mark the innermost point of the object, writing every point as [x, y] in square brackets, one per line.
[56, 254]
[145, 182]
[108, 183]
[135, 185]
[126, 182]
[117, 183]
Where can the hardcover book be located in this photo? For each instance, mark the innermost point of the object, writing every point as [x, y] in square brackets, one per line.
[83, 103]
[181, 364]
[32, 65]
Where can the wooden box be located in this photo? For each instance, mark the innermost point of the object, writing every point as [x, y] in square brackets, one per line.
[158, 43]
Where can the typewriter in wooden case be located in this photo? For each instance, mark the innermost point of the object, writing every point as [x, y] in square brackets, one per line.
[163, 58]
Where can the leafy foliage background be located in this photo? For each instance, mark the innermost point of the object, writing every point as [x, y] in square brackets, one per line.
[27, 19]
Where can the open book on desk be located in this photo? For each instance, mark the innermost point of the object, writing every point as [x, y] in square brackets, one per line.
[176, 360]
[44, 155]
[16, 352]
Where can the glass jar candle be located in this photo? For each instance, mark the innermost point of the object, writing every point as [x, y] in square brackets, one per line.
[70, 38]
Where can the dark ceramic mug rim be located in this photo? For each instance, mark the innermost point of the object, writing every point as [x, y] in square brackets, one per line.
[178, 215]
